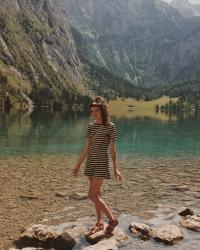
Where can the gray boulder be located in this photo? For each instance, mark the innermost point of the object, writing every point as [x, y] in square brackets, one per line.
[142, 230]
[119, 236]
[168, 234]
[191, 222]
[43, 236]
[185, 212]
[107, 244]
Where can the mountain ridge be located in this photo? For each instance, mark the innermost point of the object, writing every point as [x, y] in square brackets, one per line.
[37, 53]
[186, 8]
[57, 57]
[138, 40]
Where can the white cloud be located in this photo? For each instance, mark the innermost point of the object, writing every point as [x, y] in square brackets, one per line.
[191, 1]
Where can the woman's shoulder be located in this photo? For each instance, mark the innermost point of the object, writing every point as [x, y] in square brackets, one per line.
[110, 126]
[111, 123]
[90, 123]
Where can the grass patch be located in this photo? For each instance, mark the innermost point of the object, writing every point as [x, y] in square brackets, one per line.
[141, 108]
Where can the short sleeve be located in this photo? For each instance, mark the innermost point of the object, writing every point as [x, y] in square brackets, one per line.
[113, 132]
[87, 133]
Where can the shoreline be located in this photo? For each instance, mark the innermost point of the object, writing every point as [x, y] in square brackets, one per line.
[35, 189]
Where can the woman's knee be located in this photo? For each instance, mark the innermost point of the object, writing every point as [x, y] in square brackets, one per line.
[93, 196]
[90, 196]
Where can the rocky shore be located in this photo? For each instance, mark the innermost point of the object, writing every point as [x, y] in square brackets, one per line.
[41, 190]
[74, 235]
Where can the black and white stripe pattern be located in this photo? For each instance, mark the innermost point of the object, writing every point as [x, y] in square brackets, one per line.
[97, 163]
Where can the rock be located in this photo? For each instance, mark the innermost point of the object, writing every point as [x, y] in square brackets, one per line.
[58, 217]
[44, 236]
[27, 248]
[119, 235]
[78, 230]
[45, 220]
[191, 222]
[181, 188]
[186, 211]
[61, 194]
[196, 195]
[96, 237]
[168, 234]
[66, 209]
[28, 197]
[143, 231]
[108, 244]
[79, 196]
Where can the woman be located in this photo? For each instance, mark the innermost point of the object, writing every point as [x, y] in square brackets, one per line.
[100, 135]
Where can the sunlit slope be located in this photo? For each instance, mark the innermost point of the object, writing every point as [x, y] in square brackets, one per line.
[141, 108]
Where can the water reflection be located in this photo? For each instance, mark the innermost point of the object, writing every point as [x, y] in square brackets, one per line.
[45, 131]
[180, 115]
[42, 131]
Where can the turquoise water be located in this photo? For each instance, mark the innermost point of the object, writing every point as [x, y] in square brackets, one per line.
[47, 132]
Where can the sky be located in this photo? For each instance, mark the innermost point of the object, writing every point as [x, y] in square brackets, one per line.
[195, 1]
[191, 1]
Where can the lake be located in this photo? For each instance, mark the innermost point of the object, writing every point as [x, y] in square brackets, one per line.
[46, 132]
[158, 157]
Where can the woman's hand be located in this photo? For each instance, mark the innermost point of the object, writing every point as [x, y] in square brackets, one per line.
[81, 158]
[117, 174]
[76, 170]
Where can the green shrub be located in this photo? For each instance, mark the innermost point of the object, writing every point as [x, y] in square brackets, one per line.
[25, 22]
[3, 79]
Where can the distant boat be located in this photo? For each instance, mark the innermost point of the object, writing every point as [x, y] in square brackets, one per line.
[130, 107]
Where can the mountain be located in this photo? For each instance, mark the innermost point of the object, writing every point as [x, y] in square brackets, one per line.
[38, 57]
[56, 57]
[186, 8]
[144, 42]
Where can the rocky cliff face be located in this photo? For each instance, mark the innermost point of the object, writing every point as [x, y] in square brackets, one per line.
[38, 56]
[142, 41]
[120, 43]
[186, 8]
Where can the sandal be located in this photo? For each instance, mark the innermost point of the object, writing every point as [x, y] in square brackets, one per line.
[111, 226]
[96, 228]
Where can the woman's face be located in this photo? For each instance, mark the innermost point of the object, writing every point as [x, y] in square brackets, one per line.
[95, 113]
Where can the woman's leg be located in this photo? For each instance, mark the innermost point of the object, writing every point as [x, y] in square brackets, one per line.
[94, 196]
[98, 209]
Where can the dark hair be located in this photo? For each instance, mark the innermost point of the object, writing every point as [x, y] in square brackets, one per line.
[100, 102]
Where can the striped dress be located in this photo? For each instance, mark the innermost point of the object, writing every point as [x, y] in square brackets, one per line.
[97, 162]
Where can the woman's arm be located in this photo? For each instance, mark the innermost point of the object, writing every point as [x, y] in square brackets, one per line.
[82, 157]
[114, 160]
